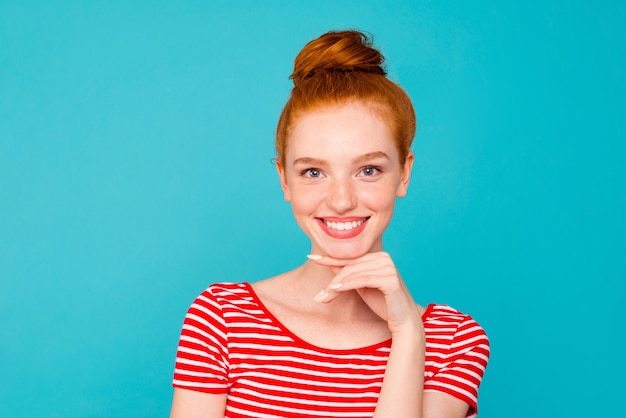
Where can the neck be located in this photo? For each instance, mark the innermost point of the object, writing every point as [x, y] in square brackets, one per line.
[311, 278]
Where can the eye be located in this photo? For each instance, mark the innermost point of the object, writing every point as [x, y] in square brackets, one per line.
[370, 171]
[312, 173]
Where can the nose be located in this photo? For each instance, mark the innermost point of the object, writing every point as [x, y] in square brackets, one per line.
[342, 195]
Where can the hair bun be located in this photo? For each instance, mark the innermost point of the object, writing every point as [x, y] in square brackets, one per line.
[338, 51]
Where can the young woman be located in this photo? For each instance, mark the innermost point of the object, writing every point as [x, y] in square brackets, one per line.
[339, 336]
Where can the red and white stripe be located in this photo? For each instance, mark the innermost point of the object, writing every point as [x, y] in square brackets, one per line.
[230, 344]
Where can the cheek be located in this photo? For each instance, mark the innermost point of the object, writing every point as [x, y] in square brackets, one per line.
[303, 202]
[381, 198]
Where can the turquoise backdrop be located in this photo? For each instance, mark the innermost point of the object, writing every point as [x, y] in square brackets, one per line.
[135, 170]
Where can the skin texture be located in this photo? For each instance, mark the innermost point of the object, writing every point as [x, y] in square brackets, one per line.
[342, 166]
[356, 178]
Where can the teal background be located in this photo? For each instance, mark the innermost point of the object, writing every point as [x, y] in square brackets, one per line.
[135, 147]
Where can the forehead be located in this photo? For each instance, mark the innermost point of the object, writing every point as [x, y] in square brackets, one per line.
[347, 129]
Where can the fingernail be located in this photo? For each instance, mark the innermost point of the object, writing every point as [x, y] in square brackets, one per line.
[314, 256]
[335, 286]
[321, 296]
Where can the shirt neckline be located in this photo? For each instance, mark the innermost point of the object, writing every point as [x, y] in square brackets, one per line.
[368, 349]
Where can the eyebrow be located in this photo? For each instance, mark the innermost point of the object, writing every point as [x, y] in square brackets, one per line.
[370, 156]
[309, 161]
[358, 160]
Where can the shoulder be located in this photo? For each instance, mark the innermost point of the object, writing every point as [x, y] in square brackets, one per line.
[225, 291]
[219, 287]
[222, 296]
[439, 311]
[457, 353]
[447, 323]
[436, 312]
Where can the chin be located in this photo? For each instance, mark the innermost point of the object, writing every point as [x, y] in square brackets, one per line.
[347, 252]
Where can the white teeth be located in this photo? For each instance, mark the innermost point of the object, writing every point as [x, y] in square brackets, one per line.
[342, 226]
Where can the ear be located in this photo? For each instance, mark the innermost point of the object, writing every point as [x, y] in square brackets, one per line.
[282, 176]
[405, 175]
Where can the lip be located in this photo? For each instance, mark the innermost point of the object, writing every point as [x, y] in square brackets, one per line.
[346, 233]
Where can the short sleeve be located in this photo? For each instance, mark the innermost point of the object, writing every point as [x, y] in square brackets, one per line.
[463, 366]
[201, 359]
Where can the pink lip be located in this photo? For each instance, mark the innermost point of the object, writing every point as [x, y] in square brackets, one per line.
[347, 233]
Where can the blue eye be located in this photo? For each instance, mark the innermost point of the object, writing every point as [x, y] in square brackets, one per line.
[311, 172]
[370, 171]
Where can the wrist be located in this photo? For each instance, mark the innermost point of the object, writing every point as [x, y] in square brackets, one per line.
[411, 333]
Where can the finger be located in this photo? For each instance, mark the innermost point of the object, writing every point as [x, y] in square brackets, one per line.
[372, 280]
[327, 260]
[329, 293]
[376, 267]
[379, 280]
[376, 273]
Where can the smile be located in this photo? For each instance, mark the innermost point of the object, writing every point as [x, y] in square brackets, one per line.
[344, 226]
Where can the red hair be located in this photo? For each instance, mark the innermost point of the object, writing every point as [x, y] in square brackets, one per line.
[340, 67]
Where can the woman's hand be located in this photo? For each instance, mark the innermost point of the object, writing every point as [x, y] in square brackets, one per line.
[376, 279]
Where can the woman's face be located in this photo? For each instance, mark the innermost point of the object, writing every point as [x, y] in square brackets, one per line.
[342, 175]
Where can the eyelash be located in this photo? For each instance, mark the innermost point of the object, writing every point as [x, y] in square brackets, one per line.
[309, 171]
[371, 167]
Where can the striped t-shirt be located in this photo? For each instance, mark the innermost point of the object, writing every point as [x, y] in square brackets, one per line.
[231, 344]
